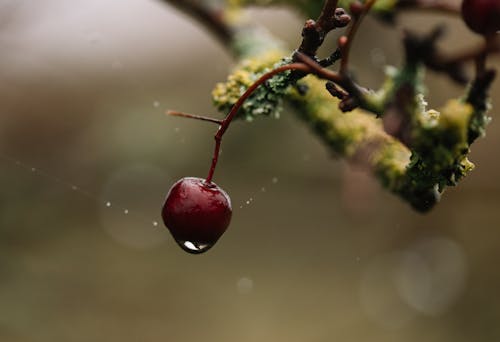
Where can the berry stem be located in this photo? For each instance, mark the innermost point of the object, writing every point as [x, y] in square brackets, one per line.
[234, 110]
[307, 65]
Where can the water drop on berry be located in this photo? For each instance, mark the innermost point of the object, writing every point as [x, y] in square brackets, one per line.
[193, 247]
[196, 213]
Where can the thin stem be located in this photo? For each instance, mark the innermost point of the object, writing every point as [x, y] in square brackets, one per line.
[342, 80]
[307, 65]
[234, 110]
[346, 45]
[330, 60]
[193, 116]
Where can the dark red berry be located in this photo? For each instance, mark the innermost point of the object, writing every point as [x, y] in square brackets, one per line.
[482, 16]
[197, 213]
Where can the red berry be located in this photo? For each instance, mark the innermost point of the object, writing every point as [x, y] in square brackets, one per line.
[197, 213]
[482, 16]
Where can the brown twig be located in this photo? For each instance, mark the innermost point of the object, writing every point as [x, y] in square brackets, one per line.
[314, 32]
[351, 96]
[306, 66]
[345, 43]
[236, 107]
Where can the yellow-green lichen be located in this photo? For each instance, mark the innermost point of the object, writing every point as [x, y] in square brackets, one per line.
[265, 100]
[352, 135]
[436, 155]
[440, 150]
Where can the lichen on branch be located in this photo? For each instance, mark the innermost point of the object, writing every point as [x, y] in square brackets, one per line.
[413, 151]
[267, 99]
[433, 157]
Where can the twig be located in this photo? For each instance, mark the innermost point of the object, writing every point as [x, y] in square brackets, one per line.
[314, 32]
[353, 94]
[330, 60]
[236, 107]
[345, 43]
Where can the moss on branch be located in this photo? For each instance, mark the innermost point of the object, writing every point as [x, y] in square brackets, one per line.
[266, 100]
[414, 152]
[417, 172]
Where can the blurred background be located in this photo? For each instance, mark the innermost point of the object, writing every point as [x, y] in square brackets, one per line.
[316, 251]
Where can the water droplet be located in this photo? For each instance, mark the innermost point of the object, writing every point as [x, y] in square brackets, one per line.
[33, 169]
[194, 247]
[275, 180]
[156, 104]
[108, 204]
[74, 188]
[155, 223]
[247, 202]
[263, 189]
[245, 285]
[125, 211]
[241, 207]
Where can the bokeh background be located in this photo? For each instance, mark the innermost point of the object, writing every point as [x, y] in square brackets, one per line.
[316, 250]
